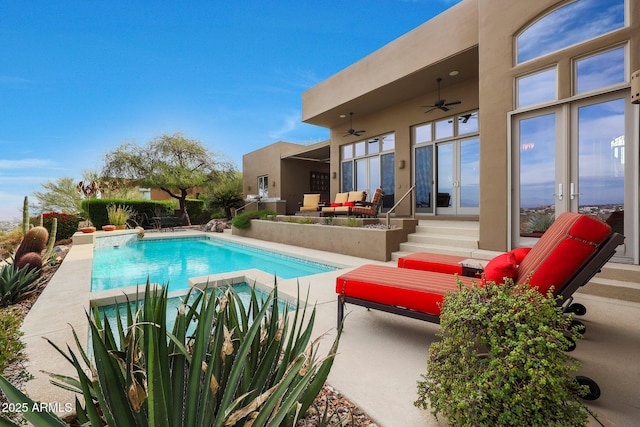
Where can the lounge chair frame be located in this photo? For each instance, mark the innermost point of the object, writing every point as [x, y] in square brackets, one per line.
[589, 268]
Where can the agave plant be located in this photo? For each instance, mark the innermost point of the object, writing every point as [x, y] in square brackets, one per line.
[17, 283]
[222, 364]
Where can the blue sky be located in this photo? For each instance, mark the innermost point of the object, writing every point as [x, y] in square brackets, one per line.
[79, 78]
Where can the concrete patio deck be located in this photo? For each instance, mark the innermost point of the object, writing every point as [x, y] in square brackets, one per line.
[381, 356]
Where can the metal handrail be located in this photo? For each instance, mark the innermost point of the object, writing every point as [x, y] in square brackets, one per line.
[388, 214]
[256, 201]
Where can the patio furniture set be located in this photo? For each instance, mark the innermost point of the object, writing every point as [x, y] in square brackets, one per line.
[352, 203]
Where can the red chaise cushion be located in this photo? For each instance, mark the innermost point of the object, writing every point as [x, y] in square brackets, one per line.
[432, 262]
[418, 290]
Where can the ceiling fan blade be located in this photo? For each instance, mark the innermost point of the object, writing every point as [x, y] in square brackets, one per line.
[453, 103]
[444, 108]
[430, 109]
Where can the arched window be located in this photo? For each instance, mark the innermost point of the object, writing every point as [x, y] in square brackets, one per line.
[568, 25]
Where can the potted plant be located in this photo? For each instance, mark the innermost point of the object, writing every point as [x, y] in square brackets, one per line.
[501, 360]
[118, 215]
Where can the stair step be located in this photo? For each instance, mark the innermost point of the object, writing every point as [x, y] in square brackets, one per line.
[609, 288]
[444, 240]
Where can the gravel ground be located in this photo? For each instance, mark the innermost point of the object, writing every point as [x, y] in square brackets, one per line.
[330, 408]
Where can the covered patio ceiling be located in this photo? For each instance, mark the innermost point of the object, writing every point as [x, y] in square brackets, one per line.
[320, 153]
[403, 89]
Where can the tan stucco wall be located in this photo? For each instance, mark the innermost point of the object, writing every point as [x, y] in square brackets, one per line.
[291, 176]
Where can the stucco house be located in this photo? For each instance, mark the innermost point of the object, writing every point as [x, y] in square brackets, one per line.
[505, 112]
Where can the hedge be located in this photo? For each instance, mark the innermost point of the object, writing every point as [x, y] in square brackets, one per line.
[96, 210]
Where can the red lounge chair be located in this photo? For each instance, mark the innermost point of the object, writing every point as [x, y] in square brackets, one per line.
[566, 257]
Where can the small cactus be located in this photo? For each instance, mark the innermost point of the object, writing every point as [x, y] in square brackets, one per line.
[35, 240]
[25, 216]
[32, 259]
[52, 240]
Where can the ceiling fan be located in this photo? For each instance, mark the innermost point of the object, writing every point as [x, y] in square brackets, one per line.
[352, 131]
[441, 104]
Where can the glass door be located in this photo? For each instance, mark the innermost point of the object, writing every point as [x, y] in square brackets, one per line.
[574, 158]
[424, 179]
[458, 177]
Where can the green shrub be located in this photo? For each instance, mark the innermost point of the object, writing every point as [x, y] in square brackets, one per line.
[352, 222]
[501, 360]
[196, 210]
[305, 220]
[67, 223]
[96, 210]
[243, 220]
[223, 363]
[17, 283]
[10, 344]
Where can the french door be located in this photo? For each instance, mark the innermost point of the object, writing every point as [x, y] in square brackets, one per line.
[458, 178]
[447, 177]
[574, 158]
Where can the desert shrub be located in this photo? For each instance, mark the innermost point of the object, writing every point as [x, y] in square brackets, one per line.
[10, 344]
[501, 360]
[17, 283]
[34, 241]
[224, 363]
[243, 220]
[539, 222]
[67, 223]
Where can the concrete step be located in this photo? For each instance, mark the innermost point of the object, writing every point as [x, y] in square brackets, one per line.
[616, 289]
[444, 240]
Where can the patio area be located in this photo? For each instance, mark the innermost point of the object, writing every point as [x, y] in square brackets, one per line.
[381, 356]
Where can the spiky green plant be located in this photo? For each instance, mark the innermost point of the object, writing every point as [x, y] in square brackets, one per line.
[17, 283]
[222, 364]
[48, 254]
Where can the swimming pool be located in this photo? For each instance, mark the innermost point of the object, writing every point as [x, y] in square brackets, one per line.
[175, 260]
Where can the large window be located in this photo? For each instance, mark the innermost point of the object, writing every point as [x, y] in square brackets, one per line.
[536, 88]
[600, 70]
[568, 25]
[370, 164]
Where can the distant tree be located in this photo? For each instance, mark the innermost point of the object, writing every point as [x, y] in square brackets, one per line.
[171, 163]
[226, 193]
[59, 196]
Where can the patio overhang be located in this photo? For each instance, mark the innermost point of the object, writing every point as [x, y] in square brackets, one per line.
[401, 70]
[319, 152]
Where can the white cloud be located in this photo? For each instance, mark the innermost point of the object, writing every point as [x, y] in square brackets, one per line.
[26, 163]
[289, 123]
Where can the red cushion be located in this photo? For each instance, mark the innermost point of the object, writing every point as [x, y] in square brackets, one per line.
[520, 253]
[562, 250]
[349, 203]
[501, 267]
[432, 262]
[335, 205]
[418, 290]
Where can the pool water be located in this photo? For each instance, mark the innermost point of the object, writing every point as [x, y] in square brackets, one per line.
[109, 313]
[174, 261]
